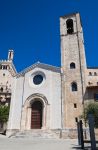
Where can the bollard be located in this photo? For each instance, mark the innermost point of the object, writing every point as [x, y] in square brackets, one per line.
[81, 135]
[92, 133]
[78, 129]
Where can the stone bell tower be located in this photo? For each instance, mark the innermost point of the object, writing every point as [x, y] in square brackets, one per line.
[73, 65]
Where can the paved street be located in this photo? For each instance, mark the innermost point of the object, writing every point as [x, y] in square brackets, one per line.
[36, 144]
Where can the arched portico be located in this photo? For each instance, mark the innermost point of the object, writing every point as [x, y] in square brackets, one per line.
[34, 112]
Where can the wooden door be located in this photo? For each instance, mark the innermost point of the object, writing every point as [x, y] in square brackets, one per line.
[36, 115]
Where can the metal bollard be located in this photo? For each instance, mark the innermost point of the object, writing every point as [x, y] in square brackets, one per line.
[92, 133]
[81, 135]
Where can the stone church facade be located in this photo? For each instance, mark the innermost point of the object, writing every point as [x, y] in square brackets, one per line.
[46, 97]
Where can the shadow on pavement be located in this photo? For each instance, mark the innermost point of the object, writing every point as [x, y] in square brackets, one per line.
[79, 147]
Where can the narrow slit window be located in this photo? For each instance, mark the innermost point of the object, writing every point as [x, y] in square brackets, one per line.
[90, 73]
[74, 86]
[76, 119]
[95, 73]
[75, 105]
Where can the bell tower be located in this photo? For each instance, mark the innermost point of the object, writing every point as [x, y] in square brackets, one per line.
[73, 65]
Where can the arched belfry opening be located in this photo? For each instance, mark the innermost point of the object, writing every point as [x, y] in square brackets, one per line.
[70, 28]
[36, 114]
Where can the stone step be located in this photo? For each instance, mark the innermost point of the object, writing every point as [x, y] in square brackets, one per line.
[46, 134]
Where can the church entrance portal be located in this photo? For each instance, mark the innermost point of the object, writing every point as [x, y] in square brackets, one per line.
[36, 115]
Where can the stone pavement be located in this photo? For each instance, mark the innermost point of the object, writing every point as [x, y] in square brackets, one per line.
[36, 144]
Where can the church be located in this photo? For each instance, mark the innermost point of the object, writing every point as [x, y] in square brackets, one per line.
[44, 97]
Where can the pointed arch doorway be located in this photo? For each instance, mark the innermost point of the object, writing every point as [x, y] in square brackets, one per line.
[36, 115]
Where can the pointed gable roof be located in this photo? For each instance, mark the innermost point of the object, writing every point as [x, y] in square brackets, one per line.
[39, 65]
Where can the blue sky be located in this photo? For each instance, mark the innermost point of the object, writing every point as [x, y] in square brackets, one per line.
[31, 28]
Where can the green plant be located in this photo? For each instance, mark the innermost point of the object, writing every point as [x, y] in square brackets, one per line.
[91, 108]
[4, 113]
